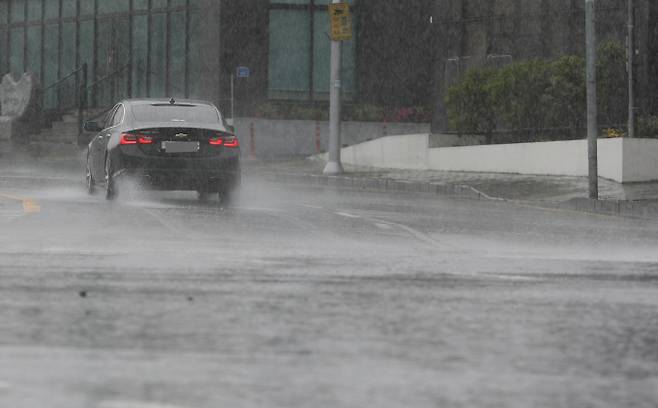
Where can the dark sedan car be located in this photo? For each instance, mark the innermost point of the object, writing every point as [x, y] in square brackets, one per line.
[164, 145]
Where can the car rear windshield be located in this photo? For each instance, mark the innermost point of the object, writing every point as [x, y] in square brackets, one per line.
[175, 113]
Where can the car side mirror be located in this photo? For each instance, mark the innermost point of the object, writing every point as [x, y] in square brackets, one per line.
[92, 127]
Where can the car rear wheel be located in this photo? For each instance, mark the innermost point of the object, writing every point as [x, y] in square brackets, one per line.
[110, 183]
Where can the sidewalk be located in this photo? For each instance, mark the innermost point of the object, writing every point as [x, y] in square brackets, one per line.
[637, 199]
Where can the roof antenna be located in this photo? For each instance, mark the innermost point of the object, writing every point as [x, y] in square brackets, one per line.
[172, 101]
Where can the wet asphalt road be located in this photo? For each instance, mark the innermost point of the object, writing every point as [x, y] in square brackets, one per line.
[302, 297]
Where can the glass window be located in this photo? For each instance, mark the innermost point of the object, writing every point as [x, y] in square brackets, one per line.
[50, 62]
[16, 52]
[194, 85]
[177, 54]
[34, 50]
[140, 4]
[52, 9]
[178, 3]
[140, 53]
[158, 4]
[3, 52]
[17, 11]
[69, 8]
[3, 13]
[86, 7]
[175, 113]
[68, 48]
[114, 6]
[157, 72]
[290, 42]
[289, 48]
[34, 10]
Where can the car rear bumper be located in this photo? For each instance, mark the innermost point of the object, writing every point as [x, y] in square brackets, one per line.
[200, 174]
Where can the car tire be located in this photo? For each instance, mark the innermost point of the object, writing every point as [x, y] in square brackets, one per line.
[110, 183]
[89, 179]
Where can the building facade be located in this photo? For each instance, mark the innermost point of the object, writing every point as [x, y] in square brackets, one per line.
[277, 51]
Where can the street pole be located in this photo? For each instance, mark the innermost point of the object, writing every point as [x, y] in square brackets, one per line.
[631, 74]
[592, 124]
[334, 166]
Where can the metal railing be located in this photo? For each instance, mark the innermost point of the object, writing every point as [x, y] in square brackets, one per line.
[67, 94]
[106, 90]
[73, 92]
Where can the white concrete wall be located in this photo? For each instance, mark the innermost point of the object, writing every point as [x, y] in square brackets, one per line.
[397, 152]
[640, 160]
[622, 160]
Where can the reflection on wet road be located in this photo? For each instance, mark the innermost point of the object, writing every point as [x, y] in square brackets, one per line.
[309, 297]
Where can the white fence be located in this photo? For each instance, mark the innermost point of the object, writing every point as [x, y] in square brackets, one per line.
[623, 160]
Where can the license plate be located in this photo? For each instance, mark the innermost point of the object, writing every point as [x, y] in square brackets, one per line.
[180, 147]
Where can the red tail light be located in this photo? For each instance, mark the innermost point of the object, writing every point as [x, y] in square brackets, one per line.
[231, 141]
[145, 139]
[128, 139]
[131, 139]
[226, 141]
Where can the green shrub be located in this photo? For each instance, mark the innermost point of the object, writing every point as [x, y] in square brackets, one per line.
[567, 93]
[647, 126]
[471, 103]
[528, 96]
[519, 92]
[612, 83]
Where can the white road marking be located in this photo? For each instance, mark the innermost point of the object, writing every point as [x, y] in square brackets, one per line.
[347, 215]
[383, 226]
[135, 404]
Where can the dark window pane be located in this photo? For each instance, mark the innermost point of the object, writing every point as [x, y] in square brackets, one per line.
[87, 48]
[3, 52]
[140, 4]
[86, 7]
[158, 62]
[68, 8]
[34, 50]
[112, 57]
[3, 13]
[289, 49]
[140, 52]
[34, 10]
[177, 54]
[114, 6]
[157, 4]
[50, 62]
[175, 113]
[194, 54]
[178, 3]
[17, 11]
[68, 48]
[16, 52]
[52, 9]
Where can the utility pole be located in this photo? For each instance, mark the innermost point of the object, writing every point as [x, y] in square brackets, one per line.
[631, 73]
[592, 112]
[334, 165]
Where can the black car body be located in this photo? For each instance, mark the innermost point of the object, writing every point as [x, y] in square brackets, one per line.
[165, 145]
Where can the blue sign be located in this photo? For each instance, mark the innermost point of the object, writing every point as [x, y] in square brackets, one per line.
[243, 72]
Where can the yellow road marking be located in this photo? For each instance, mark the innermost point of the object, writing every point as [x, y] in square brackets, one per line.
[30, 206]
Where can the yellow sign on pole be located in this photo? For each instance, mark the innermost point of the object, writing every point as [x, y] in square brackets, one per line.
[341, 21]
